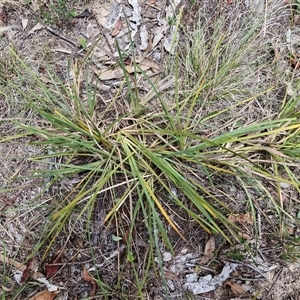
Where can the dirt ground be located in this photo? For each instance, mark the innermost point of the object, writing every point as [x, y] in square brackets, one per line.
[257, 268]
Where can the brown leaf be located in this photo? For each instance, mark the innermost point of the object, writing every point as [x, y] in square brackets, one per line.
[87, 277]
[118, 72]
[244, 235]
[291, 230]
[296, 20]
[148, 63]
[171, 275]
[209, 250]
[44, 295]
[276, 55]
[53, 266]
[18, 265]
[295, 61]
[117, 28]
[241, 218]
[235, 287]
[31, 267]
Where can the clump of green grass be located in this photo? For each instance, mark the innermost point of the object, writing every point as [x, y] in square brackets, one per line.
[139, 148]
[56, 12]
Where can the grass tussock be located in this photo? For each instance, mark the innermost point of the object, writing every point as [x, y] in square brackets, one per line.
[133, 156]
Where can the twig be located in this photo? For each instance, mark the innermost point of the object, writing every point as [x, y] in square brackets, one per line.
[59, 35]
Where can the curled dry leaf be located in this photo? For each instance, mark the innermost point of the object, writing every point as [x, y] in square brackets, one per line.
[87, 277]
[276, 55]
[44, 295]
[148, 63]
[53, 266]
[171, 275]
[144, 38]
[244, 235]
[117, 28]
[18, 265]
[295, 62]
[209, 250]
[241, 218]
[235, 287]
[208, 283]
[116, 73]
[31, 268]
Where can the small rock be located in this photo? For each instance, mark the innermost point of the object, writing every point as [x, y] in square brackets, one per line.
[284, 185]
[167, 256]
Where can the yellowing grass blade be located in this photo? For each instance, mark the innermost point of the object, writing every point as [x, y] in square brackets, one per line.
[162, 209]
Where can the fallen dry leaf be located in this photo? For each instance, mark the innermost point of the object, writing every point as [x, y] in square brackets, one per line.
[235, 287]
[209, 250]
[38, 26]
[136, 17]
[24, 23]
[244, 235]
[31, 268]
[117, 73]
[295, 62]
[208, 283]
[44, 295]
[296, 20]
[18, 266]
[147, 63]
[241, 218]
[54, 266]
[102, 11]
[171, 275]
[144, 38]
[87, 277]
[143, 64]
[291, 230]
[276, 55]
[117, 28]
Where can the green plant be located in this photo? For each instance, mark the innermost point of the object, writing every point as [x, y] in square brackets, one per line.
[56, 12]
[142, 154]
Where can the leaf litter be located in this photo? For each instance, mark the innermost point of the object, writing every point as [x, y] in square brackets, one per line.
[44, 295]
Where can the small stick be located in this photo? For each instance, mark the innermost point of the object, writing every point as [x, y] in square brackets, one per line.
[59, 35]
